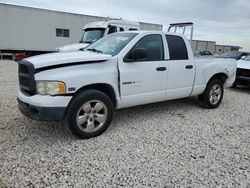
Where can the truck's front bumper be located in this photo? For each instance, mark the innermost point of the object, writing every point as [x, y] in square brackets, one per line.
[41, 113]
[43, 108]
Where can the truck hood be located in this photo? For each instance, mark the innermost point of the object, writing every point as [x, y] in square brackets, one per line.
[242, 64]
[53, 59]
[72, 47]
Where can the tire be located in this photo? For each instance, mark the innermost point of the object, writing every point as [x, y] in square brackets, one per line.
[89, 114]
[213, 94]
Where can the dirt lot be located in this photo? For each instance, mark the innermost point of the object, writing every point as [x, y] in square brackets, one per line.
[174, 143]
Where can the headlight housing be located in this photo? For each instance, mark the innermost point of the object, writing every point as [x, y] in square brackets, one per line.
[50, 88]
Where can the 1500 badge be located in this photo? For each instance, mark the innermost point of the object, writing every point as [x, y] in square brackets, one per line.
[128, 83]
[131, 82]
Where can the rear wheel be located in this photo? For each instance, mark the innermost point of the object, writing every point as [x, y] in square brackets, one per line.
[213, 94]
[89, 114]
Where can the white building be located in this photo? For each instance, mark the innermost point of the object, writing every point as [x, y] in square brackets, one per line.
[32, 29]
[211, 46]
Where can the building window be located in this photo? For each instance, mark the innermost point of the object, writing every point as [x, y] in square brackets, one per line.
[62, 32]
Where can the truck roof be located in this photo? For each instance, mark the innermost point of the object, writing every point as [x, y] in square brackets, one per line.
[155, 32]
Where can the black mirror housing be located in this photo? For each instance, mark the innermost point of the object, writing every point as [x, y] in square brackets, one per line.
[137, 54]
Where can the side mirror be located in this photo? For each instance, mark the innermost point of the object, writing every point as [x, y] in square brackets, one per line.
[139, 54]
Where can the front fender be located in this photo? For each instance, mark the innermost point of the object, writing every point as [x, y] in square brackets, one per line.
[76, 77]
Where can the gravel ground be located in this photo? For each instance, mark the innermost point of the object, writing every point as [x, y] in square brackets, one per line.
[169, 144]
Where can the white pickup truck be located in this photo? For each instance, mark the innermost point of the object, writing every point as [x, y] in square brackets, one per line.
[121, 70]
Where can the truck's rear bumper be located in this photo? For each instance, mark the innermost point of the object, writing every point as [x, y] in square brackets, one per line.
[41, 113]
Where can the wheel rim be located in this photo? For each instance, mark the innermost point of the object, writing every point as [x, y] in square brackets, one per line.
[92, 116]
[215, 94]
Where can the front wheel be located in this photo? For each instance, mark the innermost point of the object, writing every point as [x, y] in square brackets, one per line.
[89, 114]
[213, 94]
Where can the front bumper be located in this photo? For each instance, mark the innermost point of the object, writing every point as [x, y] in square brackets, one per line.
[41, 113]
[43, 107]
[243, 80]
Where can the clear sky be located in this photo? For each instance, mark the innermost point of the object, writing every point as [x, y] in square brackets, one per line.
[223, 21]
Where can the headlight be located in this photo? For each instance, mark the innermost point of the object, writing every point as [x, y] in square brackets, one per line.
[50, 88]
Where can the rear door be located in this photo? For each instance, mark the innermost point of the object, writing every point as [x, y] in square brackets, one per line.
[181, 70]
[144, 80]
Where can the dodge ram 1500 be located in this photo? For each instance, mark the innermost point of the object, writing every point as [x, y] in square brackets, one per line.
[121, 70]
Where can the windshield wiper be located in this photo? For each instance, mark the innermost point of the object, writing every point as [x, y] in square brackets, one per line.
[95, 50]
[88, 41]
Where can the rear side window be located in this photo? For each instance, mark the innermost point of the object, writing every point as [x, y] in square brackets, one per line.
[177, 48]
[133, 29]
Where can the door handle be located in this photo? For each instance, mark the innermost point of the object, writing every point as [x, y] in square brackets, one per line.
[161, 68]
[189, 66]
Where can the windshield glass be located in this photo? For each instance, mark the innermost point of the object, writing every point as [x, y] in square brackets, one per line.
[247, 58]
[92, 35]
[112, 44]
[231, 54]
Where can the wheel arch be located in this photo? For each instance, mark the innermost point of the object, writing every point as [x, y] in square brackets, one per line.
[221, 76]
[102, 87]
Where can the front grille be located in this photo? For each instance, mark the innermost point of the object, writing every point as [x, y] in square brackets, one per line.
[26, 77]
[243, 72]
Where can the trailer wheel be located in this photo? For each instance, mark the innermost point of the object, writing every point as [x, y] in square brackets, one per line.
[89, 114]
[213, 94]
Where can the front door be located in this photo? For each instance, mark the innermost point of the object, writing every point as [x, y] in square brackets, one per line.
[144, 80]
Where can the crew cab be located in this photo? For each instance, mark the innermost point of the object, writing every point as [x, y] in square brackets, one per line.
[121, 70]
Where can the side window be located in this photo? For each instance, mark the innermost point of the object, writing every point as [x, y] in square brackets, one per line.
[65, 33]
[112, 29]
[133, 29]
[59, 32]
[153, 47]
[62, 32]
[121, 29]
[177, 48]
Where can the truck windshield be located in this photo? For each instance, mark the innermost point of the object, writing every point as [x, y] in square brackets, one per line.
[247, 58]
[92, 35]
[112, 44]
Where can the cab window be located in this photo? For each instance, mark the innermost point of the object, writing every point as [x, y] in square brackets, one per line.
[152, 45]
[112, 29]
[177, 48]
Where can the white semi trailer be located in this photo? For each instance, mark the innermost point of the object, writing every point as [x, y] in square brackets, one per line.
[95, 30]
